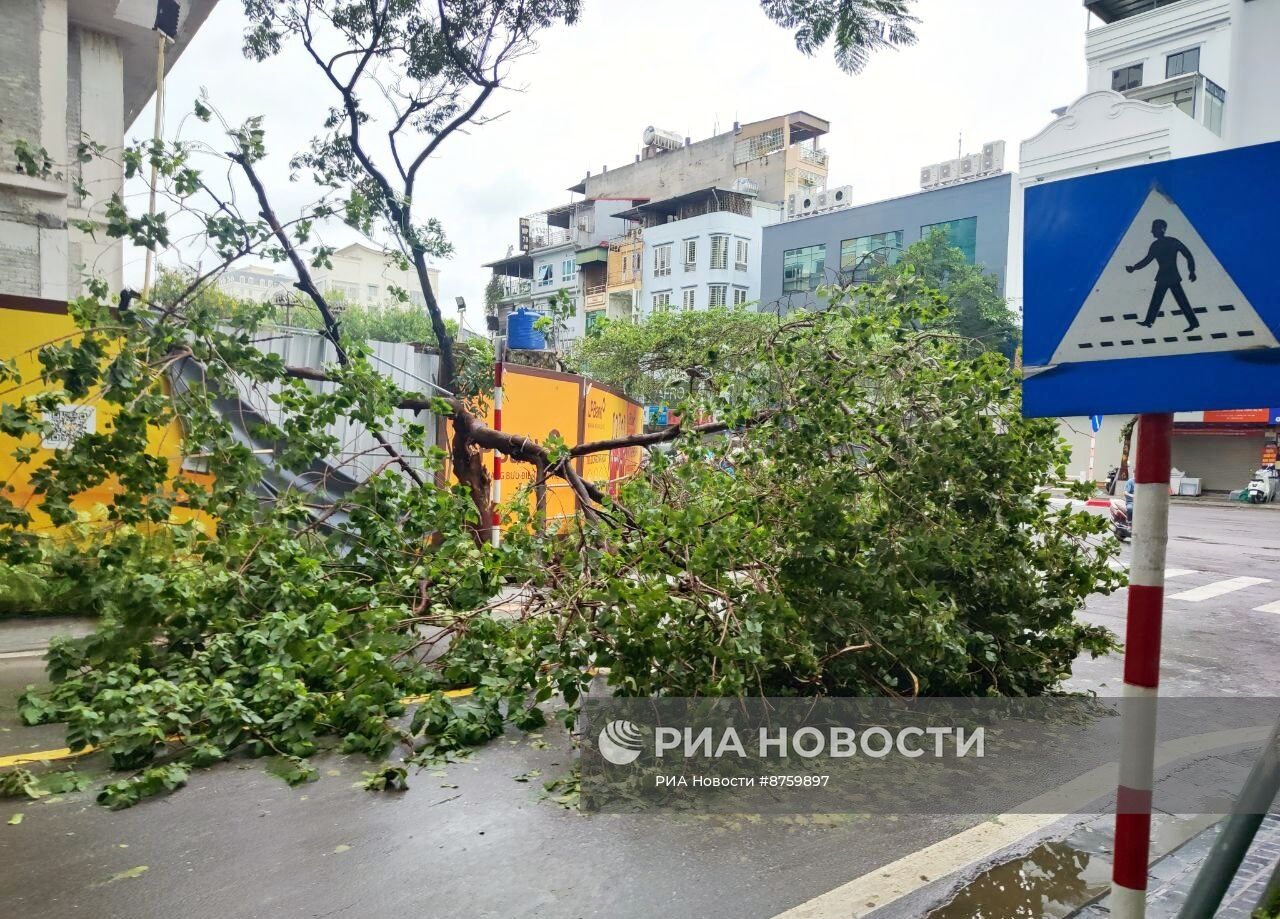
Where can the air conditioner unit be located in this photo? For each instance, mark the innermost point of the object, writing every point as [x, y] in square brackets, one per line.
[791, 205]
[968, 167]
[928, 176]
[992, 157]
[947, 171]
[821, 199]
[841, 196]
[808, 203]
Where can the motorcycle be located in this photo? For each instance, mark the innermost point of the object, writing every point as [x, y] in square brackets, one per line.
[1264, 485]
[1112, 474]
[1121, 524]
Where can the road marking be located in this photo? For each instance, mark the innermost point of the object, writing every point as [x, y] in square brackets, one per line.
[1178, 572]
[46, 756]
[1268, 608]
[889, 883]
[1218, 588]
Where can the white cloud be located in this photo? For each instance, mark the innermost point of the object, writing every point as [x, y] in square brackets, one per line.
[991, 69]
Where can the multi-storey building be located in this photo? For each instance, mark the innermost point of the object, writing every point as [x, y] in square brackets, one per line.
[1169, 78]
[840, 246]
[71, 70]
[357, 275]
[780, 156]
[701, 249]
[724, 188]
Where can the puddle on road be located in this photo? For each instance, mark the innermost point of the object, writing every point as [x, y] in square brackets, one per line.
[1049, 882]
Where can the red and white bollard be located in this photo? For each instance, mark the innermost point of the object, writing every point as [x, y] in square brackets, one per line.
[1142, 667]
[495, 494]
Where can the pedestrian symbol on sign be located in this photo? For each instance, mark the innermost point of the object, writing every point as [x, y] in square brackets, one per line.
[1164, 252]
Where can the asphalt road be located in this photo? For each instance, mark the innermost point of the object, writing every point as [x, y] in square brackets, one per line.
[478, 843]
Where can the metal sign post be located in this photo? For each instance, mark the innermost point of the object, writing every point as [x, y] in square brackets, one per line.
[1142, 666]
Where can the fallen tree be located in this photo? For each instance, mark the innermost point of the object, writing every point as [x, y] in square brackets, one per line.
[862, 515]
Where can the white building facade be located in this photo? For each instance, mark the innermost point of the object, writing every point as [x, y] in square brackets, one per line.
[702, 260]
[1168, 78]
[71, 71]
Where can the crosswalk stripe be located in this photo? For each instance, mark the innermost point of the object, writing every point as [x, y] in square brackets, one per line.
[1178, 572]
[1268, 608]
[1218, 588]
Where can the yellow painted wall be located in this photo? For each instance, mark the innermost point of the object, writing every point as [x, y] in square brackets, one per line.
[22, 333]
[537, 403]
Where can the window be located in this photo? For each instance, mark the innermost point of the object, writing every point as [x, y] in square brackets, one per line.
[1184, 99]
[594, 318]
[1175, 65]
[716, 294]
[1126, 78]
[961, 234]
[802, 269]
[568, 269]
[661, 300]
[1215, 103]
[740, 255]
[739, 296]
[690, 254]
[372, 290]
[719, 251]
[635, 261]
[863, 254]
[688, 298]
[662, 261]
[546, 276]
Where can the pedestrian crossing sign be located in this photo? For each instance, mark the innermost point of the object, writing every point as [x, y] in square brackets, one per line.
[1154, 288]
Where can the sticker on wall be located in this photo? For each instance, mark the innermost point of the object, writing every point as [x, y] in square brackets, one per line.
[68, 424]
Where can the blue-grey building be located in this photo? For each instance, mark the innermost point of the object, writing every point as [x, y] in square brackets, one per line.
[841, 245]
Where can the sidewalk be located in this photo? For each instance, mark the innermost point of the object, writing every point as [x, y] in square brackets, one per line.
[22, 636]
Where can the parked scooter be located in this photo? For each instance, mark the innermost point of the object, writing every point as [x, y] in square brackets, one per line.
[1264, 485]
[1121, 520]
[1112, 474]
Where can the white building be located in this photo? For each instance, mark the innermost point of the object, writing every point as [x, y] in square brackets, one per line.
[1168, 78]
[701, 249]
[254, 282]
[366, 276]
[71, 70]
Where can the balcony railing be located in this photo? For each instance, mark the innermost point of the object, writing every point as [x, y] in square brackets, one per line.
[813, 155]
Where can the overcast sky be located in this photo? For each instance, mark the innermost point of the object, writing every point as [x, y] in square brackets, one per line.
[990, 69]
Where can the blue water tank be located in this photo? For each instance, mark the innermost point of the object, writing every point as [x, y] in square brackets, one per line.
[521, 334]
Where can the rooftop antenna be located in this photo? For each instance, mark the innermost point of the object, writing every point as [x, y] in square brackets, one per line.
[960, 146]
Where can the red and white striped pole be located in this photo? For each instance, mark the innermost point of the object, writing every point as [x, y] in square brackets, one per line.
[495, 497]
[1142, 667]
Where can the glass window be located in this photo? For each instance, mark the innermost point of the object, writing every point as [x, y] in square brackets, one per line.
[739, 296]
[690, 254]
[594, 318]
[568, 269]
[1184, 99]
[717, 295]
[740, 255]
[802, 269]
[372, 290]
[546, 276]
[1215, 103]
[961, 234]
[661, 300]
[662, 261]
[858, 256]
[1126, 78]
[719, 251]
[1182, 62]
[688, 298]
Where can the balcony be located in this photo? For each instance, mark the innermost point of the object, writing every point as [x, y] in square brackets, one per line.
[595, 298]
[515, 288]
[1193, 93]
[814, 155]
